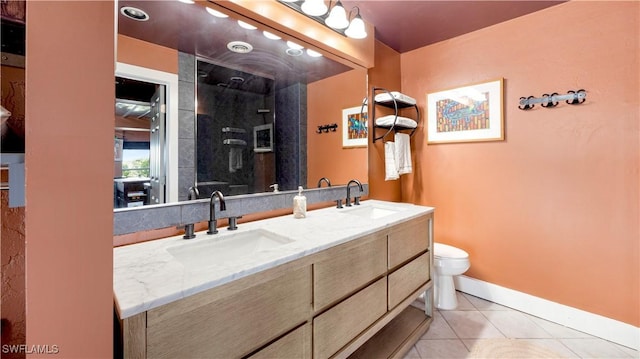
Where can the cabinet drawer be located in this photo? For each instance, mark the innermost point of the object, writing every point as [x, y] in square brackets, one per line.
[347, 272]
[295, 345]
[407, 241]
[234, 325]
[407, 279]
[339, 325]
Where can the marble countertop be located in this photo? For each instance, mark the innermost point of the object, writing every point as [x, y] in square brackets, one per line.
[147, 275]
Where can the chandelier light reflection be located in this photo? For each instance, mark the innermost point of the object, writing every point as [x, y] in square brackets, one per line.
[333, 16]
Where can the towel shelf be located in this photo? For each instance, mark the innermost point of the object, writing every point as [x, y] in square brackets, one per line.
[396, 101]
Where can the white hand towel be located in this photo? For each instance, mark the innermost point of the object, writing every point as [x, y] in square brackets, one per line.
[403, 153]
[390, 168]
[235, 159]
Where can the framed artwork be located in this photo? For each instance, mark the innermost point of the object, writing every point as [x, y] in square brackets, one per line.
[263, 138]
[466, 114]
[355, 131]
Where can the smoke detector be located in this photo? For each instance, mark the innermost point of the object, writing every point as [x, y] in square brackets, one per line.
[239, 47]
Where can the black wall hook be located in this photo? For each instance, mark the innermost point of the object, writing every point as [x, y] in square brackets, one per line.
[326, 128]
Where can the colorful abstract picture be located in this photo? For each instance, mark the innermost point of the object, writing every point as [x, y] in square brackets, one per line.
[465, 114]
[354, 127]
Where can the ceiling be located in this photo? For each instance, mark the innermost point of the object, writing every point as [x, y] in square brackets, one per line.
[408, 25]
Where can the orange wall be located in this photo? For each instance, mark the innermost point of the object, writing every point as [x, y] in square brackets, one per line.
[325, 155]
[553, 210]
[69, 151]
[385, 74]
[145, 54]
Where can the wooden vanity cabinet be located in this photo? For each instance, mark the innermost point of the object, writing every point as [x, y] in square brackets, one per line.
[329, 304]
[346, 270]
[203, 326]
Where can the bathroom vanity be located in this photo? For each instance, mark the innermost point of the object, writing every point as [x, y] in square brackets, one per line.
[338, 283]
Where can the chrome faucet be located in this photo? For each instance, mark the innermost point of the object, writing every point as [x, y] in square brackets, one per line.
[213, 222]
[325, 179]
[189, 228]
[356, 199]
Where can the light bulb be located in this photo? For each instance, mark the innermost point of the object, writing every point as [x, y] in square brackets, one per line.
[356, 29]
[337, 18]
[314, 7]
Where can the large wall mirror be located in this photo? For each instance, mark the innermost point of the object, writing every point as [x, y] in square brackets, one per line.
[249, 108]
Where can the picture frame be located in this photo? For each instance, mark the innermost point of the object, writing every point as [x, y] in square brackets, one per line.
[263, 138]
[355, 129]
[469, 113]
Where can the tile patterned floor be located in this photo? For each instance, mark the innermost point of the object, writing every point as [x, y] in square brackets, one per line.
[455, 334]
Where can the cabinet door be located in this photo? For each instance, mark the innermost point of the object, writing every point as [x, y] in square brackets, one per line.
[295, 345]
[235, 325]
[336, 327]
[407, 240]
[407, 279]
[348, 271]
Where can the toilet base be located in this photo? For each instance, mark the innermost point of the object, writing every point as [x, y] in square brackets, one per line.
[445, 292]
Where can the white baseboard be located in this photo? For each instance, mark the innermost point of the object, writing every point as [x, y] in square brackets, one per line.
[593, 324]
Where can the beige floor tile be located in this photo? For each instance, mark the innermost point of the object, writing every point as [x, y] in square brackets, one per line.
[442, 348]
[632, 353]
[471, 324]
[557, 330]
[482, 304]
[412, 354]
[514, 324]
[439, 329]
[594, 348]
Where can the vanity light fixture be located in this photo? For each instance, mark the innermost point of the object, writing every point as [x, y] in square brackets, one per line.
[245, 25]
[293, 45]
[314, 7]
[187, 1]
[356, 29]
[337, 19]
[134, 13]
[216, 13]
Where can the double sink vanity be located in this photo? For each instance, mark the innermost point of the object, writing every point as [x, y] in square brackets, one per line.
[336, 284]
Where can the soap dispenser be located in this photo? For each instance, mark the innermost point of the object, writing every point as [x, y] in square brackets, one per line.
[299, 204]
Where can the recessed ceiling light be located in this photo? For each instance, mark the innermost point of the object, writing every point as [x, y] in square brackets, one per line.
[187, 1]
[246, 26]
[134, 13]
[271, 36]
[236, 79]
[216, 13]
[240, 47]
[293, 52]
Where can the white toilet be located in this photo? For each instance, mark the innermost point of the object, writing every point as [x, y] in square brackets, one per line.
[448, 261]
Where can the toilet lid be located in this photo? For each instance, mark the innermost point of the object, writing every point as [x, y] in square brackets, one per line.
[446, 251]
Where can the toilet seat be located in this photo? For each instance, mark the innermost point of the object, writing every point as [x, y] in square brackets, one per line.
[445, 251]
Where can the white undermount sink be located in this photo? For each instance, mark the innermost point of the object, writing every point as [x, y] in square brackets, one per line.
[225, 248]
[370, 211]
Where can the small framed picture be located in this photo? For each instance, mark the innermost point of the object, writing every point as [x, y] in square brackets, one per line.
[263, 138]
[354, 127]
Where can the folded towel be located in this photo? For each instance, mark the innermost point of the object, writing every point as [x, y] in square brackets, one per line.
[235, 159]
[403, 153]
[390, 168]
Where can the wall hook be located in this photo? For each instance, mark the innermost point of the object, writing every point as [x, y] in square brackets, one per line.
[326, 128]
[548, 101]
